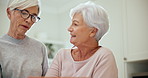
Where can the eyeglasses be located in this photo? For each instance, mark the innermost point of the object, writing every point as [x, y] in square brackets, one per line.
[25, 14]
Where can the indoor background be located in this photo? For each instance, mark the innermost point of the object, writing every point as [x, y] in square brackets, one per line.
[127, 36]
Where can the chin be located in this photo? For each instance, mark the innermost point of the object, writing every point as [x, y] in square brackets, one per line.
[23, 32]
[75, 43]
[72, 42]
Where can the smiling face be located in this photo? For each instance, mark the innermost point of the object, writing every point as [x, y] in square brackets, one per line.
[79, 31]
[18, 24]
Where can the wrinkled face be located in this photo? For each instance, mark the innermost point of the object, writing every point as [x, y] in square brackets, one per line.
[79, 31]
[20, 24]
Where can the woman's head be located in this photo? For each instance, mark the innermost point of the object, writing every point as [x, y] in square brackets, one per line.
[94, 16]
[22, 4]
[22, 15]
[81, 33]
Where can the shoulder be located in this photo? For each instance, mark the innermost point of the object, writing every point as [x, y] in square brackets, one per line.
[105, 56]
[37, 44]
[64, 51]
[2, 38]
[34, 41]
[104, 53]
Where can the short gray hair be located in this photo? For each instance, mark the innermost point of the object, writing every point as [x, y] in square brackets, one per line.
[12, 4]
[94, 16]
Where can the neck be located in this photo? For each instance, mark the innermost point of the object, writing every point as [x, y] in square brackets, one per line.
[16, 35]
[87, 50]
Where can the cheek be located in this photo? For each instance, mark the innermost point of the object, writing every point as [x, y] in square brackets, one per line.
[80, 30]
[84, 32]
[31, 23]
[83, 35]
[17, 19]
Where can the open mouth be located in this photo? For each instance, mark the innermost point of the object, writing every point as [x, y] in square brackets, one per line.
[25, 26]
[73, 35]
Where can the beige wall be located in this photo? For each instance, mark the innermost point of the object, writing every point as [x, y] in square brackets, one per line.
[55, 21]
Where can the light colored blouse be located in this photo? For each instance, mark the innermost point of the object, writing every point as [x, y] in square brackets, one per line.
[100, 65]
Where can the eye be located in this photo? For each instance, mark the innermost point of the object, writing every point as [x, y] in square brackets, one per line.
[33, 17]
[75, 24]
[24, 13]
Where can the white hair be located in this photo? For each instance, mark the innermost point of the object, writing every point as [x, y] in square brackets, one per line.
[22, 4]
[94, 16]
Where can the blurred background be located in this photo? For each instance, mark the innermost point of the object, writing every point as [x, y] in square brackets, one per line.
[127, 36]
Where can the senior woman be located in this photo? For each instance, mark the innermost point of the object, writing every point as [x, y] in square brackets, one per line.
[20, 55]
[87, 58]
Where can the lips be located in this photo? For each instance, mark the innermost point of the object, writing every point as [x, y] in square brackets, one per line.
[25, 26]
[72, 35]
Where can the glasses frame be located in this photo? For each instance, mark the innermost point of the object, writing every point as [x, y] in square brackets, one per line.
[36, 17]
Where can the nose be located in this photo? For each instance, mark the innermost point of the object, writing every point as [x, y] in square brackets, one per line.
[28, 20]
[70, 29]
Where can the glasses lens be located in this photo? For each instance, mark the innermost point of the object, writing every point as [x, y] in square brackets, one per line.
[35, 18]
[24, 14]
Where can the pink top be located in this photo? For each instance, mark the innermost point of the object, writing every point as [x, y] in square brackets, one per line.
[100, 65]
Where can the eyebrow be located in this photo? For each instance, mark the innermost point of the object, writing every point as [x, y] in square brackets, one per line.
[25, 10]
[75, 21]
[29, 12]
[34, 14]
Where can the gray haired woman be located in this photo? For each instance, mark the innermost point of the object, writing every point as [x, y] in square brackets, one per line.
[87, 58]
[20, 55]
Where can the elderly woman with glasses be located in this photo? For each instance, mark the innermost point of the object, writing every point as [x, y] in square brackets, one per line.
[20, 55]
[87, 58]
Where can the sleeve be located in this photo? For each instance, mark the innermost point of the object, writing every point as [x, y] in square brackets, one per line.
[45, 61]
[55, 68]
[106, 68]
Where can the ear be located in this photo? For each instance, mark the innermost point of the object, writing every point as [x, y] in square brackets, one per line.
[93, 32]
[8, 12]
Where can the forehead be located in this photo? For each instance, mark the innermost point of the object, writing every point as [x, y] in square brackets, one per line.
[32, 10]
[78, 17]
